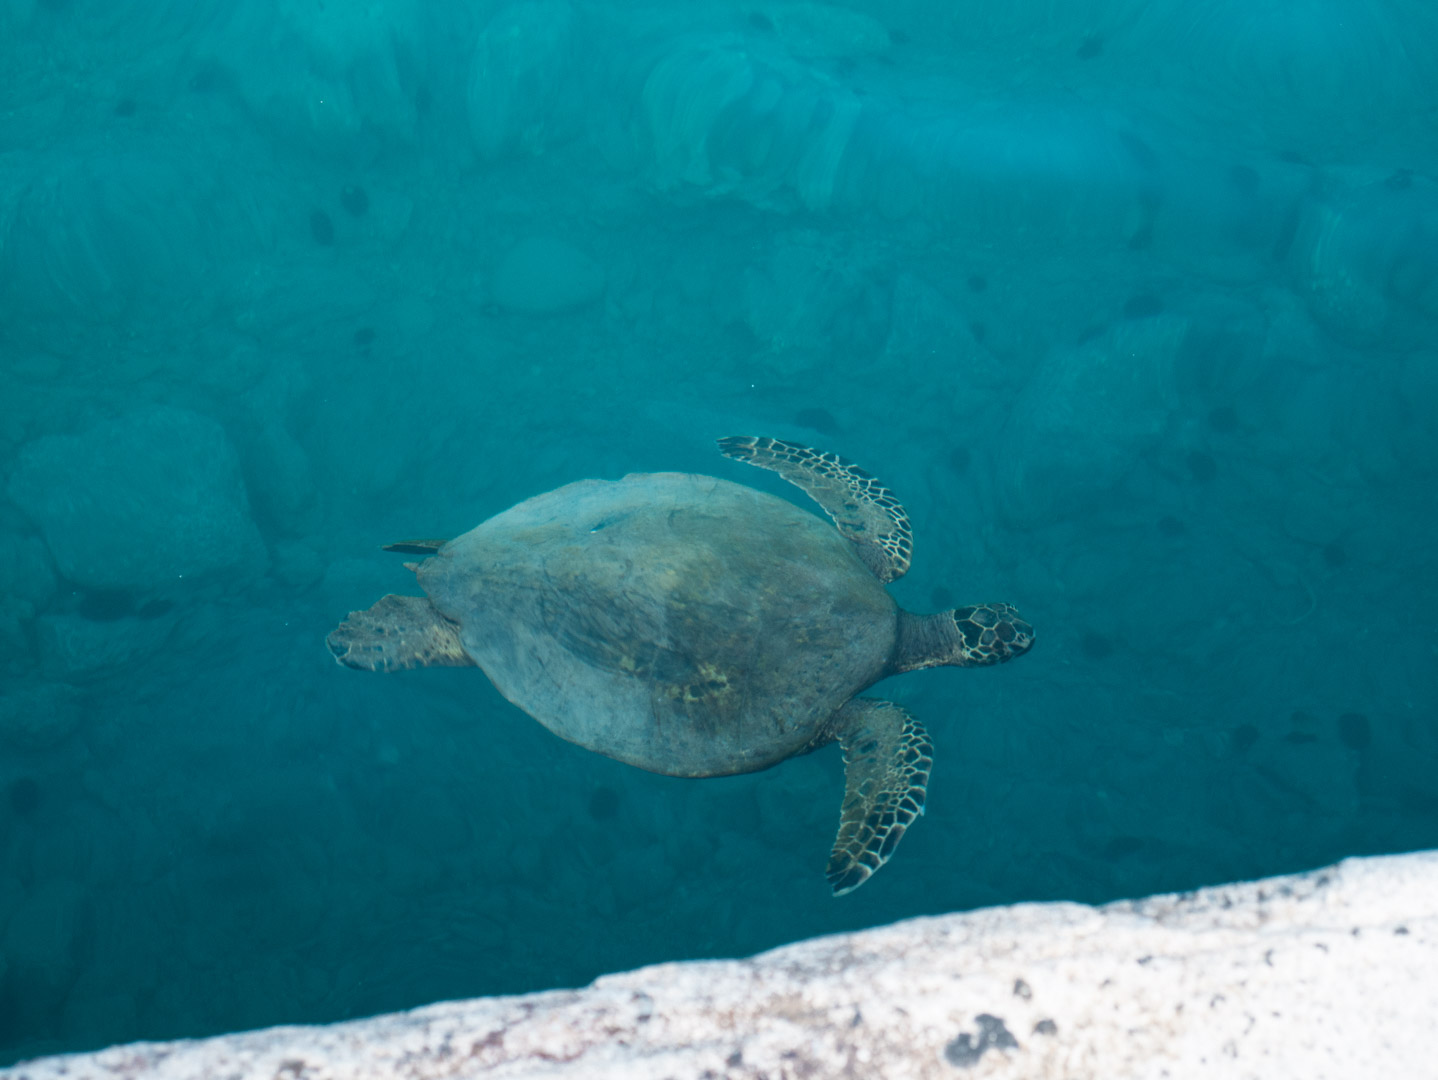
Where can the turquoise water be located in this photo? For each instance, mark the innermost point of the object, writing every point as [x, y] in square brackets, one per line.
[1135, 309]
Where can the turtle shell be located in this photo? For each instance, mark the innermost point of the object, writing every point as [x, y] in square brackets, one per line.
[680, 623]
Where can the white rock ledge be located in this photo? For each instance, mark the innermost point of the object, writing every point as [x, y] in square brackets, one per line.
[1327, 974]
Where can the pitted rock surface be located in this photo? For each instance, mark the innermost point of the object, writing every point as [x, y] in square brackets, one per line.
[1321, 974]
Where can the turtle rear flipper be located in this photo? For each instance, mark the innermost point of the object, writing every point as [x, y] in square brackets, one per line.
[887, 757]
[863, 510]
[397, 632]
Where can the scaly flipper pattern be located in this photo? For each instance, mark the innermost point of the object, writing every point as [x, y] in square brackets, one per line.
[862, 509]
[397, 632]
[887, 758]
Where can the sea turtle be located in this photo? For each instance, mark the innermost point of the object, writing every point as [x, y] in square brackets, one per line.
[696, 627]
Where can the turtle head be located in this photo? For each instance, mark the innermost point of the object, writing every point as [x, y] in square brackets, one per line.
[972, 636]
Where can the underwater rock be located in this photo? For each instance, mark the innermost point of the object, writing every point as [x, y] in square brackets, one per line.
[811, 295]
[1324, 973]
[542, 275]
[296, 564]
[106, 236]
[932, 340]
[1085, 419]
[338, 80]
[1324, 69]
[1328, 263]
[522, 92]
[1363, 260]
[718, 116]
[76, 648]
[145, 502]
[281, 480]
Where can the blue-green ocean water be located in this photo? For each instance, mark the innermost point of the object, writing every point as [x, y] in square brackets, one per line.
[1134, 304]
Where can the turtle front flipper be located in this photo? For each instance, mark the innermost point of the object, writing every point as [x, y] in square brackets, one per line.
[862, 509]
[887, 757]
[397, 632]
